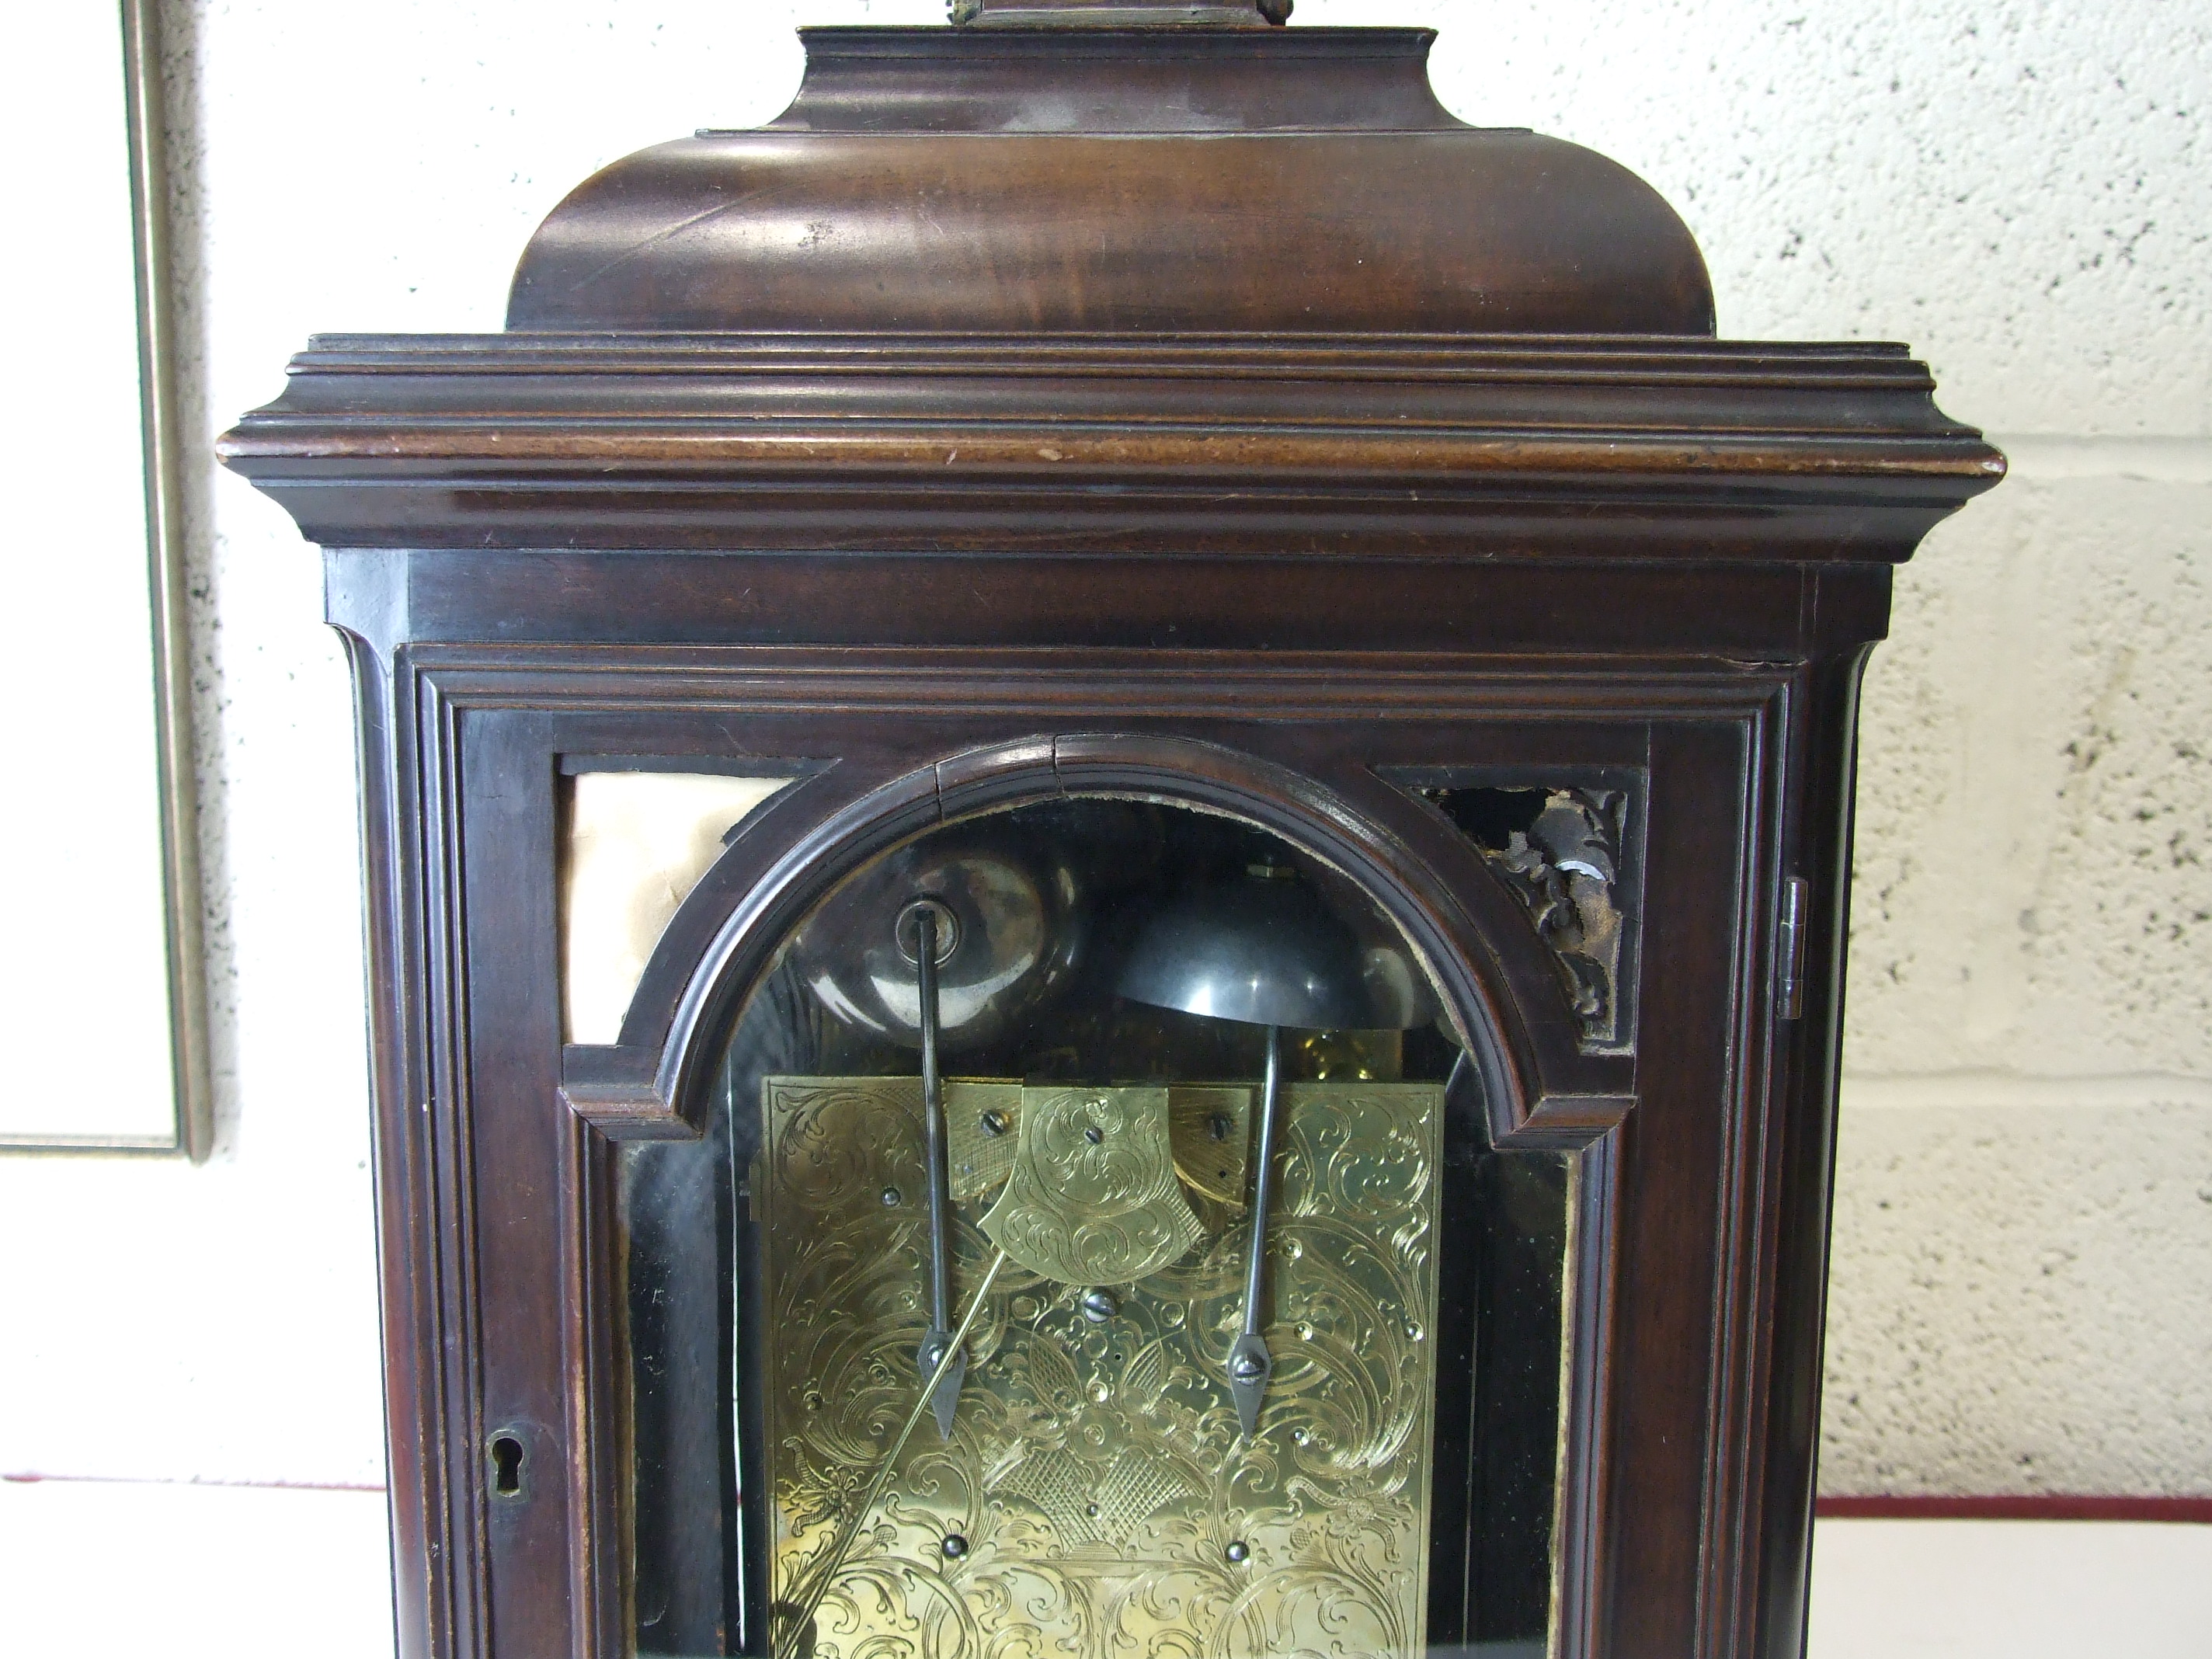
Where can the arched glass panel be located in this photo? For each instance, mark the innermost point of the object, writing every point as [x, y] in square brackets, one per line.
[947, 1340]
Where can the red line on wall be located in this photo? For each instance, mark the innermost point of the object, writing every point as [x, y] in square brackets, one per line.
[2040, 1506]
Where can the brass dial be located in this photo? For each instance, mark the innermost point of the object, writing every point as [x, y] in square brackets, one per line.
[1096, 1495]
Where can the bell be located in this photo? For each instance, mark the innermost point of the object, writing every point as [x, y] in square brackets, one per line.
[1265, 949]
[1009, 932]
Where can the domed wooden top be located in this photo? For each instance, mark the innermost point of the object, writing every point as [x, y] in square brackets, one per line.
[1202, 172]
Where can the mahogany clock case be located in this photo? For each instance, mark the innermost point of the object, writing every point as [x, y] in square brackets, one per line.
[1317, 581]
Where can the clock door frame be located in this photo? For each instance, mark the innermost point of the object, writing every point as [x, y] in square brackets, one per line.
[1701, 1155]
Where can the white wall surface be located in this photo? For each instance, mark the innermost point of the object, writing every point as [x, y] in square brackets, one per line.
[2009, 1589]
[99, 833]
[2020, 189]
[243, 1572]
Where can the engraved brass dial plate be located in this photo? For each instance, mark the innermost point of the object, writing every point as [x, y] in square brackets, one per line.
[1095, 1500]
[1093, 1196]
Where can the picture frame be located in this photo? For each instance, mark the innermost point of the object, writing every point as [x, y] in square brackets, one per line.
[160, 976]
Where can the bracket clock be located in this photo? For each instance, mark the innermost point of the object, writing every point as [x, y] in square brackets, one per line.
[1107, 796]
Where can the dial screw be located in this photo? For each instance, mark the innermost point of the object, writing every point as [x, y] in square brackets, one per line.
[955, 1547]
[892, 1198]
[1094, 1135]
[1238, 1550]
[994, 1124]
[1219, 1126]
[1100, 1305]
[1248, 1367]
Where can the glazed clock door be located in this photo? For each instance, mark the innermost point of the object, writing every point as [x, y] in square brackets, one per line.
[1092, 1252]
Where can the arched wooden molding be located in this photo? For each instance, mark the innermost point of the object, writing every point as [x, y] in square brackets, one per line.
[653, 1084]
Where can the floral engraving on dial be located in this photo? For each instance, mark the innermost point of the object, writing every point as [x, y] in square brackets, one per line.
[1106, 1505]
[1093, 1198]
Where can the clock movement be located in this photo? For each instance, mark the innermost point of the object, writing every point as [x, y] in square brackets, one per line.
[1106, 796]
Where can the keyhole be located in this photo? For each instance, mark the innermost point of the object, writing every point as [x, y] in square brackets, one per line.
[507, 1466]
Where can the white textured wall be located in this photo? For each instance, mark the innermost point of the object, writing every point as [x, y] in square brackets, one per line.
[2021, 1295]
[2019, 189]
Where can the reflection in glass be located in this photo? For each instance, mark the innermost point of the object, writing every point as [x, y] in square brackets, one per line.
[1095, 1491]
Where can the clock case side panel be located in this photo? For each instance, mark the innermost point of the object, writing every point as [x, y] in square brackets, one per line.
[1747, 1555]
[1815, 841]
[436, 1549]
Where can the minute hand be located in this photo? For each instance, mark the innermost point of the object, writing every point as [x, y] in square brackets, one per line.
[799, 1615]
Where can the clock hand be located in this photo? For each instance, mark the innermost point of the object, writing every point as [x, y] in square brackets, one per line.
[936, 1342]
[1250, 1365]
[799, 1617]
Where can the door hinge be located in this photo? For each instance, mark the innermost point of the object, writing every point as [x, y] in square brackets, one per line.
[1790, 950]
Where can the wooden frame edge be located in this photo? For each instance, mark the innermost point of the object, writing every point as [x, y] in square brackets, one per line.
[168, 584]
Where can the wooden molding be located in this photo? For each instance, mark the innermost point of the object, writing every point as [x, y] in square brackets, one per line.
[1554, 448]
